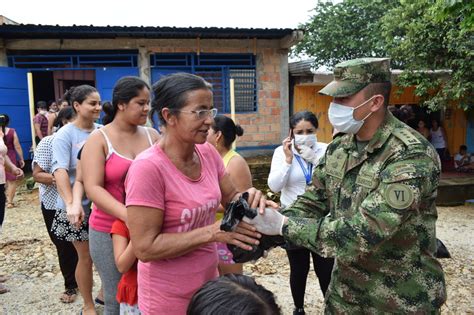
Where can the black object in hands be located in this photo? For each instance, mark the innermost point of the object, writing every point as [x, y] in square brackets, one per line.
[233, 214]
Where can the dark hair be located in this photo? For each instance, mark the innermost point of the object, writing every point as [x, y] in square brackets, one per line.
[171, 92]
[67, 113]
[124, 90]
[304, 115]
[109, 111]
[228, 128]
[382, 88]
[41, 105]
[78, 94]
[233, 294]
[463, 147]
[6, 120]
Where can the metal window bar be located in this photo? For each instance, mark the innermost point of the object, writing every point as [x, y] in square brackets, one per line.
[72, 61]
[217, 69]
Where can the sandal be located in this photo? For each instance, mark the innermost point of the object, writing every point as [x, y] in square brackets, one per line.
[69, 296]
[99, 301]
[3, 278]
[10, 205]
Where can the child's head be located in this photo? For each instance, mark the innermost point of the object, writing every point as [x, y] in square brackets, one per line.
[233, 294]
[463, 149]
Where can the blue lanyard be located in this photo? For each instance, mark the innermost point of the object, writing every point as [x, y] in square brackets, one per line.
[308, 172]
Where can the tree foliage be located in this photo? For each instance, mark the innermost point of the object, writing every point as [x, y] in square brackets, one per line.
[346, 30]
[432, 41]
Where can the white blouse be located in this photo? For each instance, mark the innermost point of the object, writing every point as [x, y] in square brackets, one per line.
[290, 178]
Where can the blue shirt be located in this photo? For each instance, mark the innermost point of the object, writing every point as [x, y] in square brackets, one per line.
[66, 145]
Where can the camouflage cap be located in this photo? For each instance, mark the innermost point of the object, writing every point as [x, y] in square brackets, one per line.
[351, 76]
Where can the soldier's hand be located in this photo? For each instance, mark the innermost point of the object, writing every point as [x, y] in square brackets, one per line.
[270, 223]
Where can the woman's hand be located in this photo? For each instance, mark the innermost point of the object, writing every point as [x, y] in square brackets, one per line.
[243, 235]
[287, 150]
[18, 172]
[256, 199]
[75, 215]
[22, 163]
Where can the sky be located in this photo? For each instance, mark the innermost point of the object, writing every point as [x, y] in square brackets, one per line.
[179, 13]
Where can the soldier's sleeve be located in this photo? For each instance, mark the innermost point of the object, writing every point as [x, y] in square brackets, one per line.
[313, 203]
[403, 186]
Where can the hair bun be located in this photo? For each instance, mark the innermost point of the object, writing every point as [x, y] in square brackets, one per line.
[68, 94]
[238, 130]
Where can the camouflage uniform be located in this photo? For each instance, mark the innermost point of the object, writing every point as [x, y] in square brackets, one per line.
[374, 211]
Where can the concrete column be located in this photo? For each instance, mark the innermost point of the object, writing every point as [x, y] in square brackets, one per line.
[3, 54]
[144, 64]
[284, 96]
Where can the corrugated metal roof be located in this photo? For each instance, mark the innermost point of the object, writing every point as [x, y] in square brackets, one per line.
[82, 31]
[301, 68]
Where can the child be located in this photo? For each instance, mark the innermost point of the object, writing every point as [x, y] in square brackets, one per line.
[127, 264]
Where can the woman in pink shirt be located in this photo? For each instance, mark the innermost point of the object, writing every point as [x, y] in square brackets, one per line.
[173, 190]
[5, 164]
[107, 155]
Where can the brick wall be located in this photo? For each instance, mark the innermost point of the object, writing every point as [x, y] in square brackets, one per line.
[262, 128]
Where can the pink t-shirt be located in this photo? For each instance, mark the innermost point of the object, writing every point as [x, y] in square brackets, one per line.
[166, 286]
[3, 154]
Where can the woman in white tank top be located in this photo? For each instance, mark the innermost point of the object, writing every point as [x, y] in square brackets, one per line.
[438, 138]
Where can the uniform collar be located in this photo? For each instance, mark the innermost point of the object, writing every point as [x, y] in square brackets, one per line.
[378, 140]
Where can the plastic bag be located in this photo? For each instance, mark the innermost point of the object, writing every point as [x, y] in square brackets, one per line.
[441, 250]
[233, 214]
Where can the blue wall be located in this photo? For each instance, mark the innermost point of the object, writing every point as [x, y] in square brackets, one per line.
[14, 103]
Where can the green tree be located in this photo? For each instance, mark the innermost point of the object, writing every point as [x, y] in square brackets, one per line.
[345, 30]
[431, 40]
[433, 43]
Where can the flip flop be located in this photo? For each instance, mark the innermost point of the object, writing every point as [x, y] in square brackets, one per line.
[10, 205]
[3, 278]
[99, 301]
[69, 296]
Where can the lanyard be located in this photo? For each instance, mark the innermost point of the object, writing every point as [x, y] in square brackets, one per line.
[307, 171]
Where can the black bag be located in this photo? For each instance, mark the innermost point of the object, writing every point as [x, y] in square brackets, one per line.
[233, 214]
[441, 250]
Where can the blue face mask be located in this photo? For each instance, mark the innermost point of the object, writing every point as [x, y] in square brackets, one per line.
[342, 118]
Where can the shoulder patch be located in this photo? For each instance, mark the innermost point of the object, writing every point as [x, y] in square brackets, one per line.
[406, 136]
[399, 196]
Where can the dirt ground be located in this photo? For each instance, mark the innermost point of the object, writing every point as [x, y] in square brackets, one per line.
[28, 257]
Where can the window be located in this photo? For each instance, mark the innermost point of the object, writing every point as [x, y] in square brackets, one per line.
[55, 59]
[217, 69]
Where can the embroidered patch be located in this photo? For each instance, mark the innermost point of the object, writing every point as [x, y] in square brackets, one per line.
[336, 165]
[399, 196]
[406, 136]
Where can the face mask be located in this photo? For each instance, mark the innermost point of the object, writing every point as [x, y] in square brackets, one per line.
[43, 112]
[307, 140]
[341, 117]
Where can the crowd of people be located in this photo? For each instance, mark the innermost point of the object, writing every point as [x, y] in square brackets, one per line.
[144, 206]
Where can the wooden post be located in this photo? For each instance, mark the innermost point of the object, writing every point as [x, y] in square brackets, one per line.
[32, 109]
[232, 105]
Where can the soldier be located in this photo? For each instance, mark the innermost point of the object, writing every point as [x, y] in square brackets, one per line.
[371, 204]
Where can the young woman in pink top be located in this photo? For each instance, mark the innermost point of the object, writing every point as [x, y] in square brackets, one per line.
[107, 155]
[172, 192]
[5, 165]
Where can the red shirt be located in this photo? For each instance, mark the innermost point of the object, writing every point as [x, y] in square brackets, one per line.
[127, 289]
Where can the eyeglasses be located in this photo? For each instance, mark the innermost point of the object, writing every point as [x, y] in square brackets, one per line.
[202, 113]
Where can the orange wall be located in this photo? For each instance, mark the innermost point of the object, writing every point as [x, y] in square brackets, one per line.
[306, 97]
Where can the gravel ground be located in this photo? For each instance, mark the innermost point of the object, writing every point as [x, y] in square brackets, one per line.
[28, 257]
